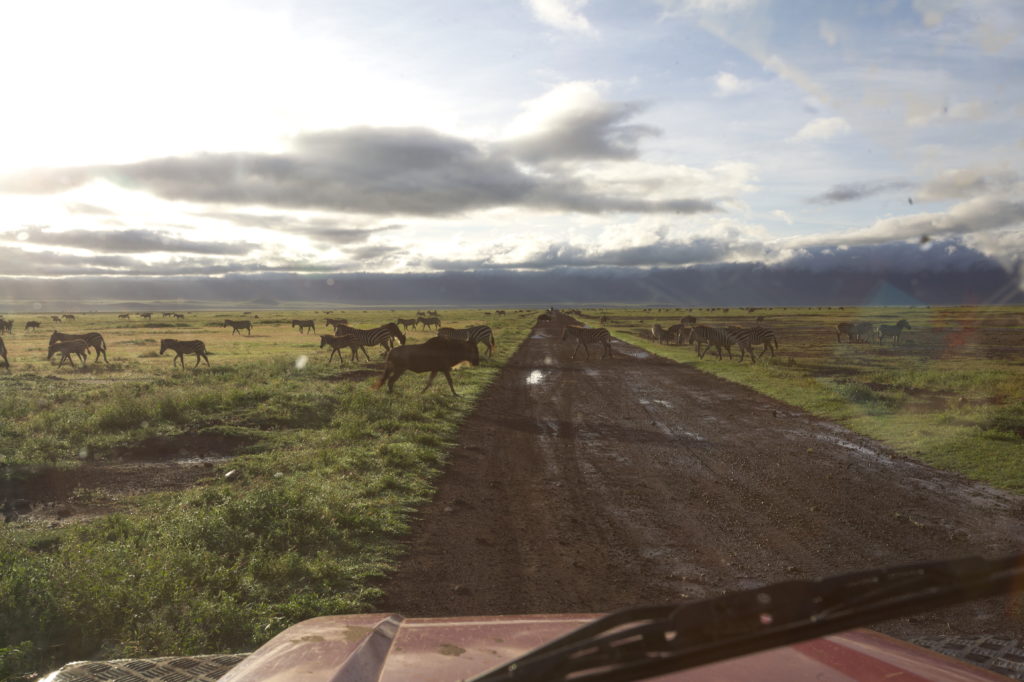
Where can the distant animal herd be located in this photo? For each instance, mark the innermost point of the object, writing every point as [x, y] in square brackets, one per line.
[451, 344]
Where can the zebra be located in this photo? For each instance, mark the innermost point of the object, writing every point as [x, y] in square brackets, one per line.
[379, 336]
[236, 327]
[304, 324]
[146, 316]
[429, 322]
[6, 326]
[335, 321]
[892, 331]
[753, 336]
[847, 328]
[32, 324]
[661, 335]
[124, 316]
[477, 334]
[407, 322]
[67, 349]
[587, 335]
[678, 332]
[93, 339]
[3, 353]
[337, 343]
[68, 316]
[178, 316]
[183, 347]
[166, 314]
[712, 336]
[55, 318]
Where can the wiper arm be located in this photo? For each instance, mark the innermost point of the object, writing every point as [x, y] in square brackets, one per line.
[652, 640]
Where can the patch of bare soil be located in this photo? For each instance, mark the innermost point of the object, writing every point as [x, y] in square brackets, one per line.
[587, 486]
[96, 488]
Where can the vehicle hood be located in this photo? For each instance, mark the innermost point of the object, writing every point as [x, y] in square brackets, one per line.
[391, 648]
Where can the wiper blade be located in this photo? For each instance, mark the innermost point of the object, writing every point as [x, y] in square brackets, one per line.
[651, 640]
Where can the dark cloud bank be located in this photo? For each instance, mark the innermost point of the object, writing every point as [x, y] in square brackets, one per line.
[890, 275]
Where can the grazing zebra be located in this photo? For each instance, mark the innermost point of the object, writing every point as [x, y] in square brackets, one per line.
[499, 312]
[146, 316]
[893, 331]
[7, 326]
[712, 336]
[848, 328]
[93, 339]
[335, 321]
[477, 334]
[678, 332]
[32, 324]
[660, 335]
[178, 316]
[166, 314]
[304, 324]
[379, 336]
[124, 316]
[337, 343]
[237, 327]
[3, 353]
[55, 318]
[183, 347]
[68, 317]
[754, 336]
[406, 323]
[67, 349]
[587, 335]
[429, 322]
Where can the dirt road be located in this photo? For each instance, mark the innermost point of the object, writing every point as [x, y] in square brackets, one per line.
[585, 486]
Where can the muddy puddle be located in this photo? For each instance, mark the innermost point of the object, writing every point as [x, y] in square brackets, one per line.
[101, 482]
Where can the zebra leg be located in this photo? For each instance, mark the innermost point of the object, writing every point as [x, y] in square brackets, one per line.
[205, 357]
[367, 355]
[197, 360]
[577, 350]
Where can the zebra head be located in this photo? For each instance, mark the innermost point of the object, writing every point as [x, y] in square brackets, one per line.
[396, 332]
[903, 324]
[54, 338]
[165, 344]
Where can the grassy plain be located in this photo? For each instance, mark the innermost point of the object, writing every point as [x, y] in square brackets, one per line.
[951, 394]
[125, 538]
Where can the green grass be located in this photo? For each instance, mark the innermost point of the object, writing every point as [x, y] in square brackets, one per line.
[330, 474]
[950, 395]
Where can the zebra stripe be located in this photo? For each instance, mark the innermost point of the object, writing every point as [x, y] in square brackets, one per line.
[237, 326]
[477, 334]
[67, 349]
[93, 339]
[754, 336]
[304, 324]
[182, 347]
[337, 343]
[587, 335]
[407, 322]
[893, 331]
[379, 336]
[429, 322]
[712, 336]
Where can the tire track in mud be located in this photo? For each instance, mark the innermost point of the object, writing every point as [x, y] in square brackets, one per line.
[586, 486]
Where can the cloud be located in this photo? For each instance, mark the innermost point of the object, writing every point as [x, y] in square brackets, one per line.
[574, 122]
[88, 209]
[727, 84]
[827, 31]
[678, 7]
[823, 129]
[376, 252]
[975, 215]
[968, 182]
[382, 171]
[127, 241]
[856, 190]
[565, 15]
[330, 230]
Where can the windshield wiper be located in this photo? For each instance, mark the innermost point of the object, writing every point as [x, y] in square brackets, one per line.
[651, 640]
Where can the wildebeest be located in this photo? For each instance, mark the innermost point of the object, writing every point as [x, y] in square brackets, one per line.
[436, 355]
[32, 324]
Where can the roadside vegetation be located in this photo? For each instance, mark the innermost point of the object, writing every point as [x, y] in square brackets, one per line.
[951, 394]
[123, 535]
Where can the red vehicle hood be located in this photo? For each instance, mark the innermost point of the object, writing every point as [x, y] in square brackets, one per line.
[391, 648]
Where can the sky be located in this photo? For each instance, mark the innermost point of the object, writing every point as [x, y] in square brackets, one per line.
[219, 138]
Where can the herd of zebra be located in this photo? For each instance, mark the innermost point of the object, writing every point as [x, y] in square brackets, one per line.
[865, 331]
[68, 346]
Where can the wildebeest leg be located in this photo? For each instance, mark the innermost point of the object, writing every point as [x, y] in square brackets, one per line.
[429, 382]
[448, 376]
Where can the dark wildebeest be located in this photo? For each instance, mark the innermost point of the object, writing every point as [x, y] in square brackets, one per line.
[436, 355]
